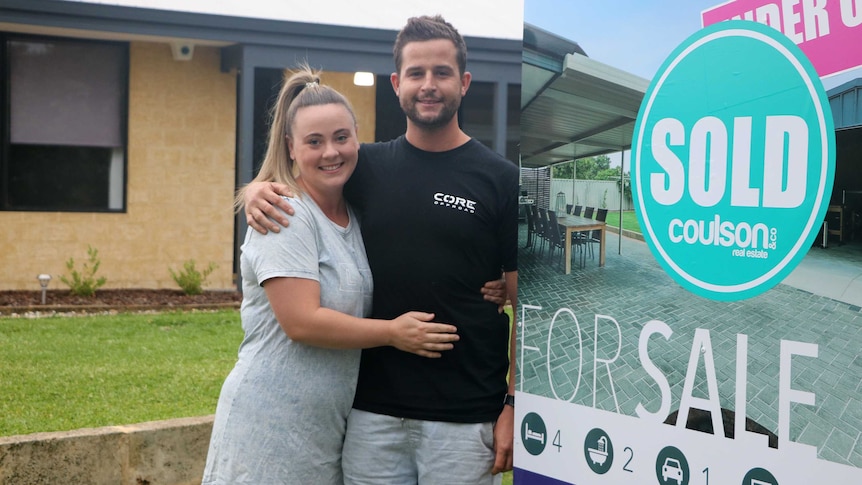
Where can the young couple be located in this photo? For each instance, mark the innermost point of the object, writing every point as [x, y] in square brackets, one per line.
[427, 400]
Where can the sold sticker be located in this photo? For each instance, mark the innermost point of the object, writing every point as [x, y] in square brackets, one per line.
[733, 160]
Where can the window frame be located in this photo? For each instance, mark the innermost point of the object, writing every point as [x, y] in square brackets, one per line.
[5, 132]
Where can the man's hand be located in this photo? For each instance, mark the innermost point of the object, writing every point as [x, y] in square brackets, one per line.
[261, 200]
[495, 292]
[504, 440]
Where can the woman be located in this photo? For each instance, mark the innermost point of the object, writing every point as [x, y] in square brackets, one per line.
[282, 411]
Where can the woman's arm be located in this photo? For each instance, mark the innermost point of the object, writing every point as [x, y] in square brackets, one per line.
[296, 303]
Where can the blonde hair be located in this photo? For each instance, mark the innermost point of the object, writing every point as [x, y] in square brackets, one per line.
[301, 88]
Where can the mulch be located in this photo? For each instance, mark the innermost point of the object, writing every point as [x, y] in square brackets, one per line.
[20, 301]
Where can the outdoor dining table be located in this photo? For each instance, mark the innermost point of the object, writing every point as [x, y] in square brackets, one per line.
[574, 224]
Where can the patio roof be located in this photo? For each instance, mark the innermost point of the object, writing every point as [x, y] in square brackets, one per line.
[846, 103]
[573, 106]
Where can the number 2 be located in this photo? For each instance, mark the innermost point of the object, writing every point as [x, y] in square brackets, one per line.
[631, 455]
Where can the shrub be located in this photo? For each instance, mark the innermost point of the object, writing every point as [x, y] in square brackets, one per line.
[626, 186]
[84, 283]
[190, 279]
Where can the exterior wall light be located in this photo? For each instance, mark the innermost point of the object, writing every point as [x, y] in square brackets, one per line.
[44, 279]
[363, 79]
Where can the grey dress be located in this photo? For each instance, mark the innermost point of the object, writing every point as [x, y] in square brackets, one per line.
[282, 410]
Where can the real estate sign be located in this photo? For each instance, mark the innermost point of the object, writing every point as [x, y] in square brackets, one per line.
[686, 362]
[733, 160]
[827, 31]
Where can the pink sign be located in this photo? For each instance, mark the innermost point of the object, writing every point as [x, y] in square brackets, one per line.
[829, 32]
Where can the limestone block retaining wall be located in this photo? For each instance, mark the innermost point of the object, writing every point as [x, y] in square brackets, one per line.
[154, 453]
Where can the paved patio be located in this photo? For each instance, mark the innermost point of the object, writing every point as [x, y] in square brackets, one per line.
[823, 307]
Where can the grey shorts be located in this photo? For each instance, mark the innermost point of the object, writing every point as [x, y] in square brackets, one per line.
[381, 450]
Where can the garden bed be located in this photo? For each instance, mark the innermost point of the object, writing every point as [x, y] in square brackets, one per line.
[20, 301]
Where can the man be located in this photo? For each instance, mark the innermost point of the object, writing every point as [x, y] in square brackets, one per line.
[439, 218]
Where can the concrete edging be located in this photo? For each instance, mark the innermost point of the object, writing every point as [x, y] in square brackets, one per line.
[169, 452]
[626, 233]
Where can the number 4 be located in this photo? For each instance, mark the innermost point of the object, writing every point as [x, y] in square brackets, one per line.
[557, 442]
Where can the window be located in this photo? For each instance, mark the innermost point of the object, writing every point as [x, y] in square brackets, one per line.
[477, 116]
[64, 141]
[513, 123]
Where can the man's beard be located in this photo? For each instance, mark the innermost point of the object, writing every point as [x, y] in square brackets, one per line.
[447, 112]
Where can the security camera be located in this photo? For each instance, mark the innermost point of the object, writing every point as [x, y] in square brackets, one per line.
[182, 51]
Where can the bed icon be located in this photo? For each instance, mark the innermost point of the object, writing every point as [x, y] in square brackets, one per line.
[533, 435]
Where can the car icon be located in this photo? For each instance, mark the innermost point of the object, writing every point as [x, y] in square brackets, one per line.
[671, 470]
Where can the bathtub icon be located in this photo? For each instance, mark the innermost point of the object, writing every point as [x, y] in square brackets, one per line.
[599, 454]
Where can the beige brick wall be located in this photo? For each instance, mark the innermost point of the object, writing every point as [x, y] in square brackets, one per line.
[180, 173]
[362, 98]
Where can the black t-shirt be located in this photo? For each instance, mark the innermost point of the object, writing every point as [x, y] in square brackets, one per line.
[437, 226]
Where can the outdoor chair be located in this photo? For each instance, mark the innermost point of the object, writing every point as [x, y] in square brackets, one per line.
[579, 247]
[547, 222]
[537, 228]
[568, 208]
[541, 228]
[577, 210]
[555, 239]
[580, 238]
[596, 235]
[531, 227]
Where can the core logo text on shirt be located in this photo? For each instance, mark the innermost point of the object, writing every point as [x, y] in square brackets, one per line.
[455, 202]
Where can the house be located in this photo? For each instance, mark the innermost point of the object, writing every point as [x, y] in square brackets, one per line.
[128, 129]
[845, 212]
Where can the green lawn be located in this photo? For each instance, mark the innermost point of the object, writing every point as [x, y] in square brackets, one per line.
[67, 373]
[63, 373]
[630, 221]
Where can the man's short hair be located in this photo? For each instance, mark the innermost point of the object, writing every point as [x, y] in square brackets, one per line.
[424, 28]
